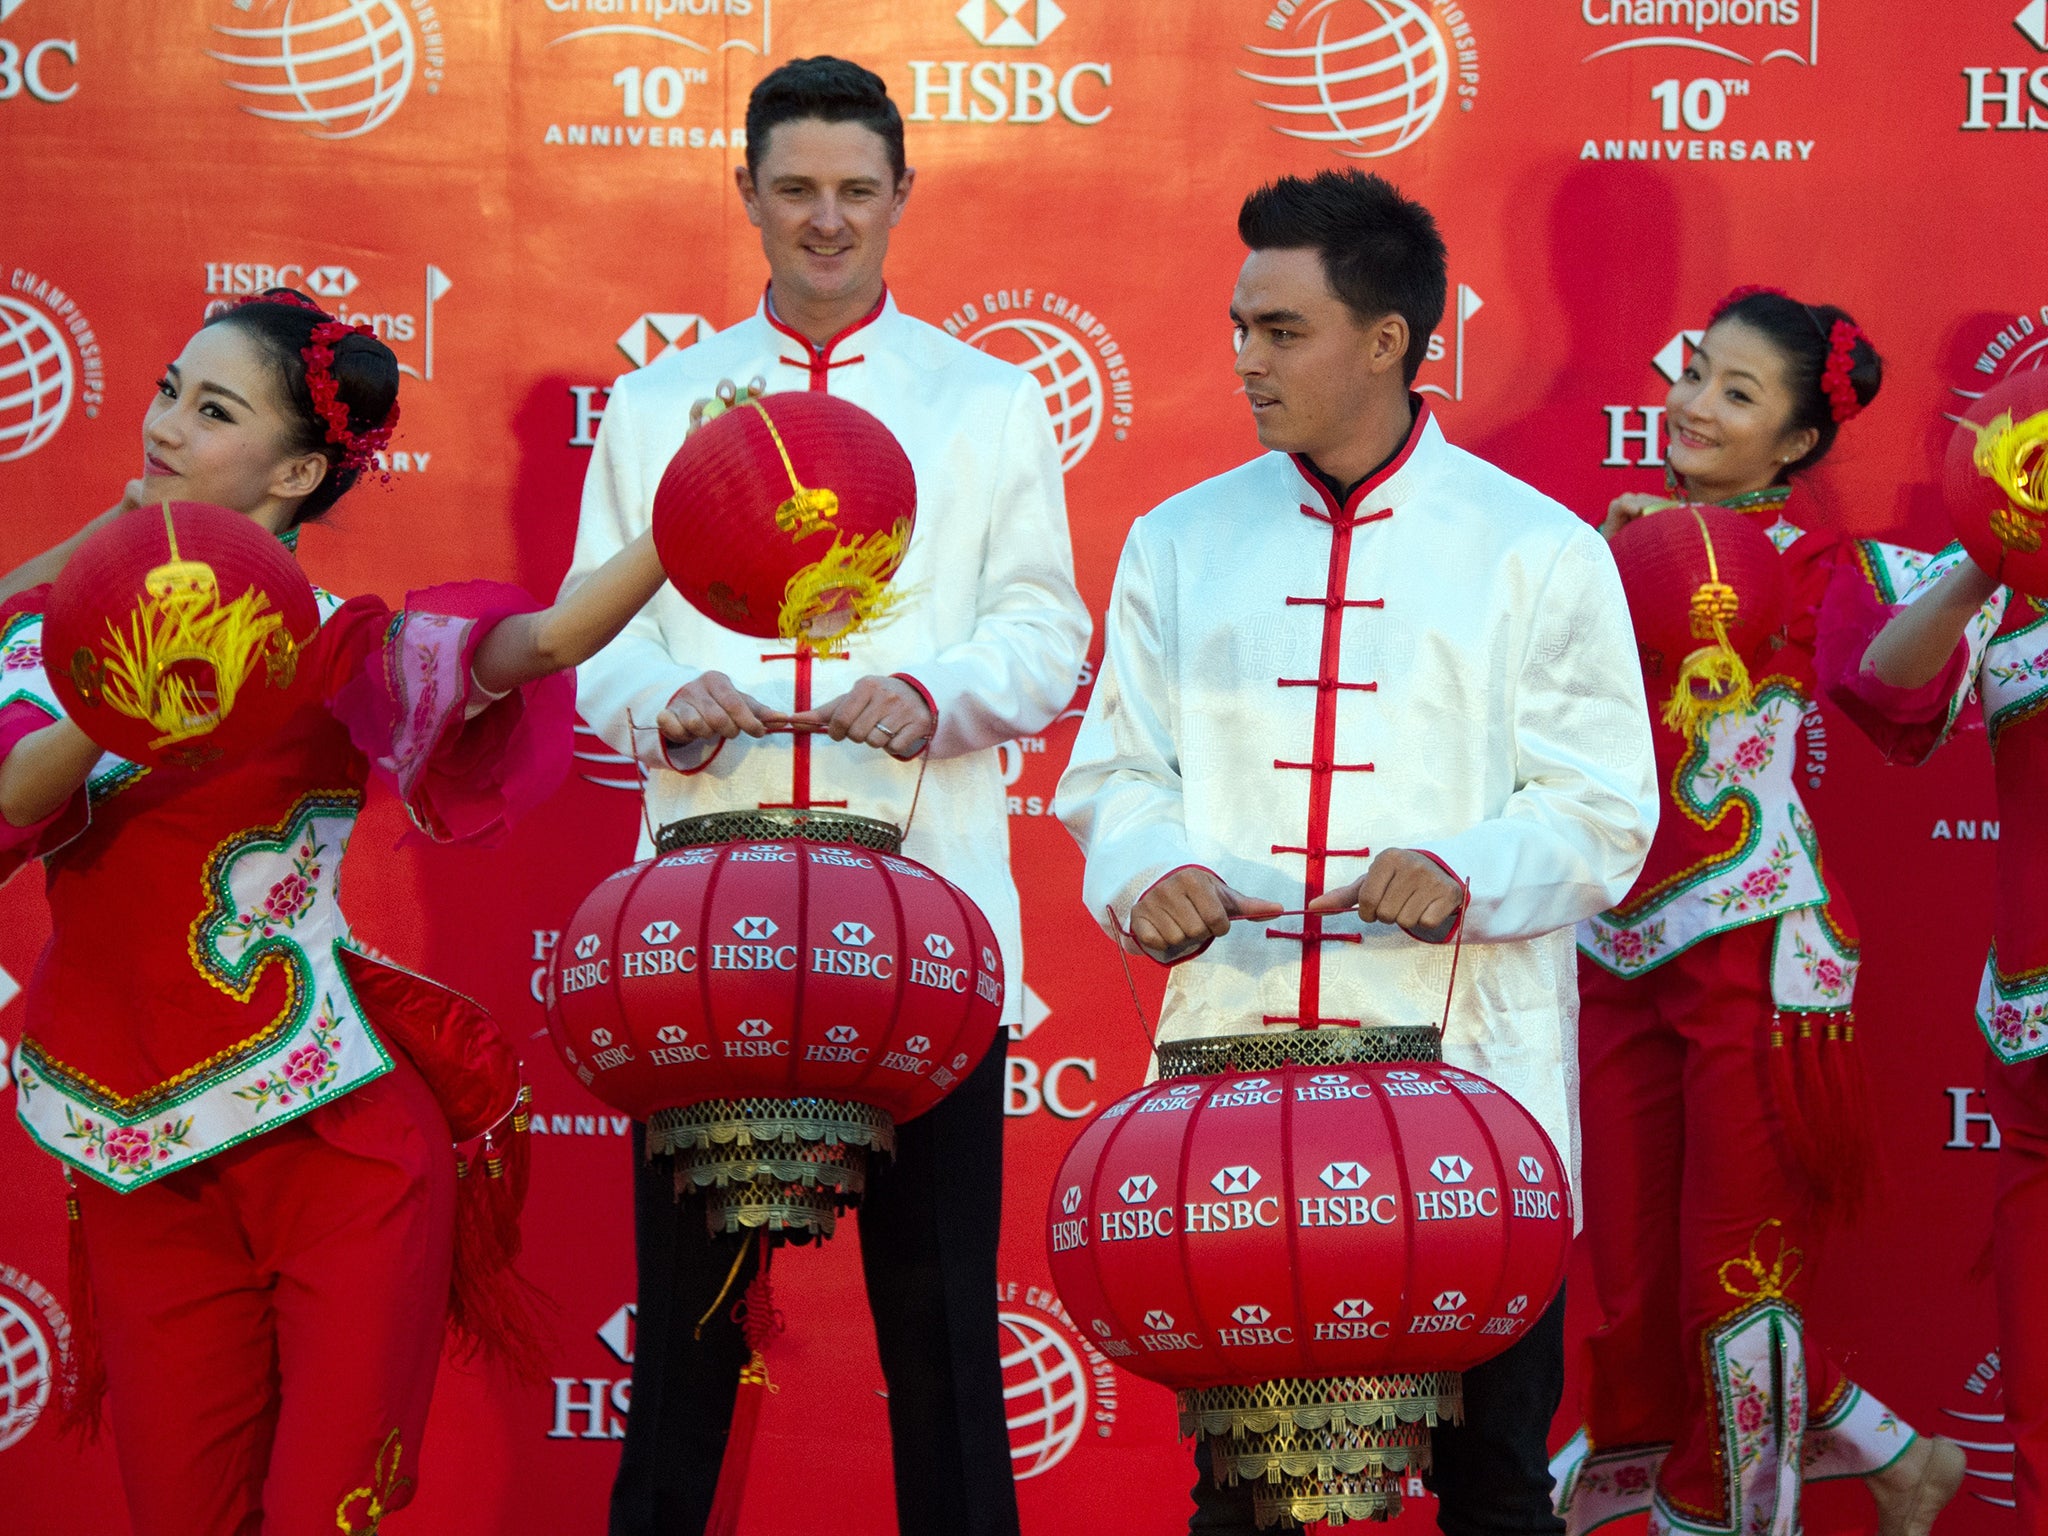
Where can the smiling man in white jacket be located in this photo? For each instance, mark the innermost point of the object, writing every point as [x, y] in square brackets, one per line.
[986, 646]
[1370, 675]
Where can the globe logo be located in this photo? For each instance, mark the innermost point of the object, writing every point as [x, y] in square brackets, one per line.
[1045, 1393]
[24, 1371]
[36, 383]
[1064, 371]
[1371, 83]
[339, 67]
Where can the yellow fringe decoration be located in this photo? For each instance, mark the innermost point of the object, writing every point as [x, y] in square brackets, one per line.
[182, 626]
[2012, 456]
[845, 591]
[1712, 681]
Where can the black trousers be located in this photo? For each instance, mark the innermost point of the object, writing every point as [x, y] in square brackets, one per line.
[928, 1229]
[1492, 1473]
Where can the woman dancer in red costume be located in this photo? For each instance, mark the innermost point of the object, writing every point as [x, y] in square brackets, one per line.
[264, 1183]
[1903, 668]
[1708, 1402]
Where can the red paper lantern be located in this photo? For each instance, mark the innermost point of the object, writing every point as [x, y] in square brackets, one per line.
[1706, 592]
[1304, 1252]
[778, 991]
[174, 634]
[1997, 481]
[785, 517]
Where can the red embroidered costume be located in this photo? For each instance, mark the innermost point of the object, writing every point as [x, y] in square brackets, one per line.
[268, 1207]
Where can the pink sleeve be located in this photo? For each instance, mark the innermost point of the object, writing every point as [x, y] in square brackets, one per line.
[18, 845]
[1907, 724]
[405, 705]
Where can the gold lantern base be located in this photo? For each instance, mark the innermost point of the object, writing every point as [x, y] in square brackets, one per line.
[784, 1164]
[1337, 1448]
[1332, 1449]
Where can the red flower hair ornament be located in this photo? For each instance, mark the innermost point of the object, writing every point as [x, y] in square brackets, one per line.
[359, 450]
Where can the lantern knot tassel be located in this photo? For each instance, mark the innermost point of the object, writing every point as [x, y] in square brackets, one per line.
[845, 590]
[1712, 681]
[2014, 456]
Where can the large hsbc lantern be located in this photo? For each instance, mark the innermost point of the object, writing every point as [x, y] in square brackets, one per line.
[1308, 1236]
[773, 993]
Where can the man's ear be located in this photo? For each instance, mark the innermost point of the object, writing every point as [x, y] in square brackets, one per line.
[749, 195]
[1389, 342]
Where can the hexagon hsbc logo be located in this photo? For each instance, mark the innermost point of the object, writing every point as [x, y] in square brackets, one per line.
[1450, 1301]
[1530, 1170]
[587, 946]
[1329, 1079]
[1366, 77]
[336, 68]
[600, 1038]
[1404, 1077]
[1010, 23]
[754, 1029]
[1352, 1308]
[1239, 1180]
[1070, 1202]
[657, 332]
[672, 1034]
[917, 1045]
[989, 962]
[842, 1034]
[856, 934]
[1137, 1189]
[1159, 1321]
[1250, 1084]
[1450, 1169]
[332, 282]
[1102, 1329]
[755, 928]
[660, 933]
[1517, 1305]
[1345, 1175]
[938, 946]
[959, 1061]
[1250, 1316]
[49, 361]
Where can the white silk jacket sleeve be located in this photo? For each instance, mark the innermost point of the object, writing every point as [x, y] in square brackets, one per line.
[625, 684]
[1121, 793]
[1018, 668]
[1572, 837]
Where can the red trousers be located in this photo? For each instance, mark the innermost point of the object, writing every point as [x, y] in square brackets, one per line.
[2019, 1245]
[271, 1319]
[1708, 1397]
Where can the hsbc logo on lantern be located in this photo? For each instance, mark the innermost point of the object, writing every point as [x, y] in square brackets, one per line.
[1250, 1315]
[659, 933]
[1158, 1320]
[1366, 77]
[1354, 1321]
[671, 1034]
[1455, 1201]
[1235, 1181]
[1450, 1315]
[754, 1029]
[1345, 1175]
[1531, 1170]
[1070, 1202]
[1251, 1330]
[852, 933]
[935, 973]
[1005, 88]
[1137, 1189]
[1234, 1214]
[1244, 1093]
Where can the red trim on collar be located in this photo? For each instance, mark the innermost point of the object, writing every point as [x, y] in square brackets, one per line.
[818, 358]
[1367, 487]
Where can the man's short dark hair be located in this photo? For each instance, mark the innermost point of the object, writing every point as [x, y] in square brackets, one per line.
[831, 90]
[1381, 251]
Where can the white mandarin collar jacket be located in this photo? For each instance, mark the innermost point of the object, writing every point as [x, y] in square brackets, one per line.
[993, 630]
[1444, 663]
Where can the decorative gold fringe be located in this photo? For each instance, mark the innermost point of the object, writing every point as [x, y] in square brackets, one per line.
[2015, 457]
[844, 591]
[1719, 667]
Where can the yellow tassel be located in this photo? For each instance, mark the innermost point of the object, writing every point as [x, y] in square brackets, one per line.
[1712, 681]
[845, 591]
[2015, 457]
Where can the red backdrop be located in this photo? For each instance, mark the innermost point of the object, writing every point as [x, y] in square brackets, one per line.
[527, 198]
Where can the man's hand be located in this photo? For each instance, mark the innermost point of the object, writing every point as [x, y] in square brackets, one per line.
[1625, 509]
[723, 399]
[1405, 888]
[883, 712]
[708, 705]
[1187, 909]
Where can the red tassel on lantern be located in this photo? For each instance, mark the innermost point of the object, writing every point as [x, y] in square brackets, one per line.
[759, 1323]
[85, 1374]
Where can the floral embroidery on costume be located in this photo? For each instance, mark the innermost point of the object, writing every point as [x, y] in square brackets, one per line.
[288, 899]
[1761, 886]
[306, 1070]
[126, 1150]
